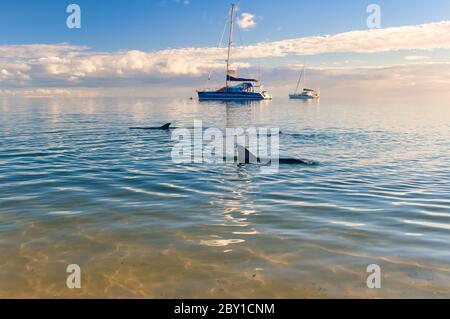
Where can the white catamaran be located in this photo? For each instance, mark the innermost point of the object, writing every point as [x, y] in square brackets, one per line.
[305, 93]
[247, 89]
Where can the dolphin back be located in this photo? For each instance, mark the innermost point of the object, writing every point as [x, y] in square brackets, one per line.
[166, 126]
[297, 161]
[245, 156]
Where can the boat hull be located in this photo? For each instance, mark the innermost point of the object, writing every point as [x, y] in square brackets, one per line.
[232, 96]
[302, 97]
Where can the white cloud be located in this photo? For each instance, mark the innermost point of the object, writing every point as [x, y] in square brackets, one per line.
[395, 81]
[39, 50]
[415, 57]
[47, 92]
[4, 73]
[65, 64]
[419, 37]
[401, 80]
[185, 2]
[246, 21]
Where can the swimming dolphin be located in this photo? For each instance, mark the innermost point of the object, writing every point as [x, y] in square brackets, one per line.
[165, 127]
[247, 157]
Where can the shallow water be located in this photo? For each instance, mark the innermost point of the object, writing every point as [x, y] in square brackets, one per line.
[78, 187]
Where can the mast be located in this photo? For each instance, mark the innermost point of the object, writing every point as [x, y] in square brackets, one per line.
[299, 80]
[304, 76]
[230, 41]
[304, 73]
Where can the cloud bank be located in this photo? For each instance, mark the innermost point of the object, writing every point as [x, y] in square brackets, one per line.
[59, 65]
[411, 80]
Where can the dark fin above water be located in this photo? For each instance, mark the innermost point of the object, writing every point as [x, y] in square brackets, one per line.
[164, 127]
[245, 156]
[297, 161]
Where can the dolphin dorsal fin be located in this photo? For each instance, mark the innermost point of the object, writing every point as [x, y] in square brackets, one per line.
[165, 126]
[245, 156]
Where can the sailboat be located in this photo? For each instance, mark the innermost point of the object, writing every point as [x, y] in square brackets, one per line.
[305, 94]
[236, 88]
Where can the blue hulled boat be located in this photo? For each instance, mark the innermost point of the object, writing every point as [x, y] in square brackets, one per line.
[243, 89]
[246, 90]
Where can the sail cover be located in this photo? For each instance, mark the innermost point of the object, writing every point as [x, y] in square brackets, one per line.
[236, 79]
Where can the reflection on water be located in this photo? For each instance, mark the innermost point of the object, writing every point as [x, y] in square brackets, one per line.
[77, 186]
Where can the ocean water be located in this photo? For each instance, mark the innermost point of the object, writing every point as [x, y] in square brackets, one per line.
[78, 187]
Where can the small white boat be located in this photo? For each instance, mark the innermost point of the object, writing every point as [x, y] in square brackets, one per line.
[305, 93]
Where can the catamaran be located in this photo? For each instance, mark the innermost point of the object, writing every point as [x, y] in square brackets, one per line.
[246, 89]
[305, 93]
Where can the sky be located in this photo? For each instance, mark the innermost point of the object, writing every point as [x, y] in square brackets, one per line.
[173, 44]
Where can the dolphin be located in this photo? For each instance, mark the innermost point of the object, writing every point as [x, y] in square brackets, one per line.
[247, 157]
[165, 127]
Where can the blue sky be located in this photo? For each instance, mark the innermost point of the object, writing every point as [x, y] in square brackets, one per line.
[158, 24]
[170, 43]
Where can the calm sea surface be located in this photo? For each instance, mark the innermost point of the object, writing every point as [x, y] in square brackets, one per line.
[78, 187]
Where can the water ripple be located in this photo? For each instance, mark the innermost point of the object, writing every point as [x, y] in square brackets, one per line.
[76, 186]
